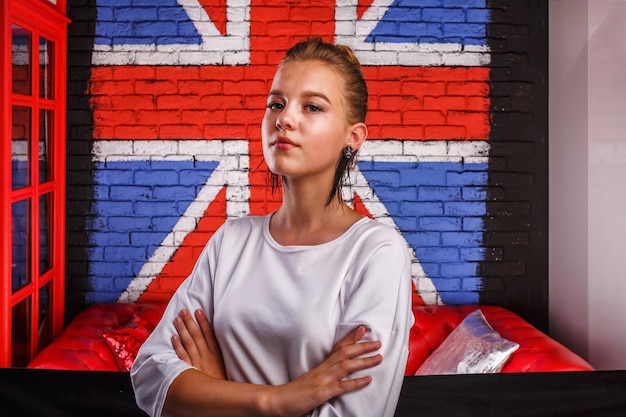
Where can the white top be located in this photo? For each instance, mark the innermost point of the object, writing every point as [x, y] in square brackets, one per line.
[277, 311]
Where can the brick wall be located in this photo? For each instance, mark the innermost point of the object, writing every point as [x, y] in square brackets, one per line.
[164, 111]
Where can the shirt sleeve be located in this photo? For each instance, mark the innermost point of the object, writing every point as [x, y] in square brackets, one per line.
[157, 364]
[381, 300]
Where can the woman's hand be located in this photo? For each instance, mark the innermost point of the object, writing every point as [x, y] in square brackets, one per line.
[196, 344]
[329, 379]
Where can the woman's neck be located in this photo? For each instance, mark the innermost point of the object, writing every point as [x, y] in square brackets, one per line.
[304, 218]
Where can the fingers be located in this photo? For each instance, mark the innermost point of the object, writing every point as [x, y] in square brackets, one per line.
[216, 361]
[196, 343]
[340, 377]
[349, 385]
[180, 350]
[350, 360]
[335, 376]
[350, 345]
[206, 330]
[350, 355]
[190, 335]
[351, 338]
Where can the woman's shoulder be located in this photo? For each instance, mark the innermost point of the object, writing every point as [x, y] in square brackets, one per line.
[235, 232]
[246, 221]
[378, 226]
[377, 232]
[244, 224]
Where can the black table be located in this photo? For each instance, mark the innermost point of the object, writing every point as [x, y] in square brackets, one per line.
[47, 393]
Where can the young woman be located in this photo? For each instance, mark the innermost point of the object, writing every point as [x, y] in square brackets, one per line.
[308, 309]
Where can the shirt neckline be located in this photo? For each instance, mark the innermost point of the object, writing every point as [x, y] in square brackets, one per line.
[269, 238]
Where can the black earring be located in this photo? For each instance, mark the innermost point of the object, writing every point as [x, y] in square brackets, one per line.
[348, 152]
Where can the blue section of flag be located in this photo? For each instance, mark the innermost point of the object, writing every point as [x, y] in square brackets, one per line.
[143, 22]
[433, 21]
[438, 208]
[137, 205]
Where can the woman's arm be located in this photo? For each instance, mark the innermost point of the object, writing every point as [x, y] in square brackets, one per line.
[204, 390]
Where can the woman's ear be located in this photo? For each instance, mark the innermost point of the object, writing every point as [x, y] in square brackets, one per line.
[358, 134]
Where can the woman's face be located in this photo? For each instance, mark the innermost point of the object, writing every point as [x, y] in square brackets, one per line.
[305, 126]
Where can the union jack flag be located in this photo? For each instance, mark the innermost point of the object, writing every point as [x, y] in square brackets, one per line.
[178, 90]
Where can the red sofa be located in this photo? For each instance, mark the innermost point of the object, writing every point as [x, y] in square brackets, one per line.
[89, 342]
[82, 345]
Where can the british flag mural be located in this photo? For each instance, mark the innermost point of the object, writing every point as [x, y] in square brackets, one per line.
[177, 92]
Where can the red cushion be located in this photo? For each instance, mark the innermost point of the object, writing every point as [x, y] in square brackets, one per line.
[81, 346]
[537, 352]
[125, 341]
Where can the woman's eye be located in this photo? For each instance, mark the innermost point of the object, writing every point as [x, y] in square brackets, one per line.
[275, 106]
[313, 108]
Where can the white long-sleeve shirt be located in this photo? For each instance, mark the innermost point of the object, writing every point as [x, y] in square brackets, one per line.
[277, 311]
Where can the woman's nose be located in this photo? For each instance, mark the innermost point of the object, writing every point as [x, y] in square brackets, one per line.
[284, 120]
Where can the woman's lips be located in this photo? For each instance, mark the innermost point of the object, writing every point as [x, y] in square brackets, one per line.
[284, 143]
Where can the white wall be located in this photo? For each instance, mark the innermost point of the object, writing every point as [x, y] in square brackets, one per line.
[587, 145]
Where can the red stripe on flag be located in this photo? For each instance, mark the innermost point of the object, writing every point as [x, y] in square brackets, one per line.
[218, 102]
[362, 7]
[359, 207]
[428, 102]
[276, 25]
[216, 9]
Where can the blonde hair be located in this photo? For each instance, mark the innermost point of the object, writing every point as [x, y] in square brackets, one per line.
[342, 60]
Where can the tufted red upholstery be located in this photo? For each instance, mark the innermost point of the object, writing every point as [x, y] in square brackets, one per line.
[82, 347]
[537, 351]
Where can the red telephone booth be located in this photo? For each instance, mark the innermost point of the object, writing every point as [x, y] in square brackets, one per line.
[32, 188]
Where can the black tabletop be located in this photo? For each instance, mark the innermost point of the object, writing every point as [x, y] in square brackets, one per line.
[37, 392]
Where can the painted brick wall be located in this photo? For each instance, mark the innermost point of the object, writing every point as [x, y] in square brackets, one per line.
[164, 119]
